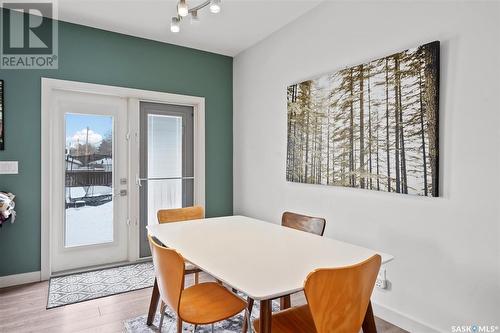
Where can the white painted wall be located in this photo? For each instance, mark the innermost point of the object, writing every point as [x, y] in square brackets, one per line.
[447, 267]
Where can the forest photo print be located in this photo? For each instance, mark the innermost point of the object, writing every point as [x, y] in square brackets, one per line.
[372, 126]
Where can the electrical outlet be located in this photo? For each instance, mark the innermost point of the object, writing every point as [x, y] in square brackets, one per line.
[381, 281]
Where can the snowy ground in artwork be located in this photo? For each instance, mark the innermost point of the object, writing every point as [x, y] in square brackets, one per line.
[89, 225]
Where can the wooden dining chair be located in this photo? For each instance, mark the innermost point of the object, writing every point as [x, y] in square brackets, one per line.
[337, 301]
[314, 225]
[201, 304]
[179, 215]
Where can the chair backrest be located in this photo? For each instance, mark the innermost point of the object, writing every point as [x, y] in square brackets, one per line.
[314, 225]
[180, 214]
[169, 271]
[338, 297]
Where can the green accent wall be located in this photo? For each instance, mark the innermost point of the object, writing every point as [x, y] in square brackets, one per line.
[103, 57]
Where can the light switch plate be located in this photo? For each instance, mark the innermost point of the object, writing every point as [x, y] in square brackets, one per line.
[9, 167]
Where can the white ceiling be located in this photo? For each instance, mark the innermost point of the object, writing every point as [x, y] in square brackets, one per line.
[239, 25]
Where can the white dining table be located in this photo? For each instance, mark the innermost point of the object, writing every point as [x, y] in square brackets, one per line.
[261, 259]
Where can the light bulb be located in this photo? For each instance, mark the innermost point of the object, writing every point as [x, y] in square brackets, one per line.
[174, 26]
[182, 8]
[194, 17]
[215, 6]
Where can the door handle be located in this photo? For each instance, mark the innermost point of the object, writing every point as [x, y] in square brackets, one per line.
[138, 180]
[163, 178]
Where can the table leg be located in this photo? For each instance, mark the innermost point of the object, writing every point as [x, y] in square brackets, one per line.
[285, 302]
[265, 316]
[244, 327]
[153, 305]
[369, 321]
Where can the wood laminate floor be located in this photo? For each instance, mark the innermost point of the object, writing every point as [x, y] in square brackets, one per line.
[22, 309]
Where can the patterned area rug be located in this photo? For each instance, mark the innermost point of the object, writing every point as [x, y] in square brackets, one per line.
[232, 325]
[81, 287]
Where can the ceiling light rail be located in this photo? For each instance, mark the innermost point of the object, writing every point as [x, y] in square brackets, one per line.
[183, 10]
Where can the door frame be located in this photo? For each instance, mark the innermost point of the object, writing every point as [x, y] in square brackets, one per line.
[134, 97]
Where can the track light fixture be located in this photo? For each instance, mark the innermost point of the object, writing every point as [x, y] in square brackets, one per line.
[174, 26]
[215, 6]
[183, 10]
[194, 17]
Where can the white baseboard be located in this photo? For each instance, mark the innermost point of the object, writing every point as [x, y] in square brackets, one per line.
[17, 279]
[401, 320]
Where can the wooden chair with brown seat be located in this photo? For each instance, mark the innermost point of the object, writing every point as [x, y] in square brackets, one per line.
[201, 304]
[314, 225]
[337, 301]
[179, 215]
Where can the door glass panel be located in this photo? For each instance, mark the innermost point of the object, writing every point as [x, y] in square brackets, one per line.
[164, 161]
[88, 180]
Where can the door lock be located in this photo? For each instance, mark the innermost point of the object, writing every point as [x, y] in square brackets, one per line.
[122, 193]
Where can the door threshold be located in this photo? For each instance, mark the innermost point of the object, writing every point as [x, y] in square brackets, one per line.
[98, 267]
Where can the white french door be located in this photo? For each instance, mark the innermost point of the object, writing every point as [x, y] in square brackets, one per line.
[89, 180]
[112, 156]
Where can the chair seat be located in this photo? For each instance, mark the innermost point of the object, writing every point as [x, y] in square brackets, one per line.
[207, 303]
[190, 268]
[293, 320]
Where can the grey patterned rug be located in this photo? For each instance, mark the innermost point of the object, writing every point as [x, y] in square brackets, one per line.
[81, 287]
[232, 325]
